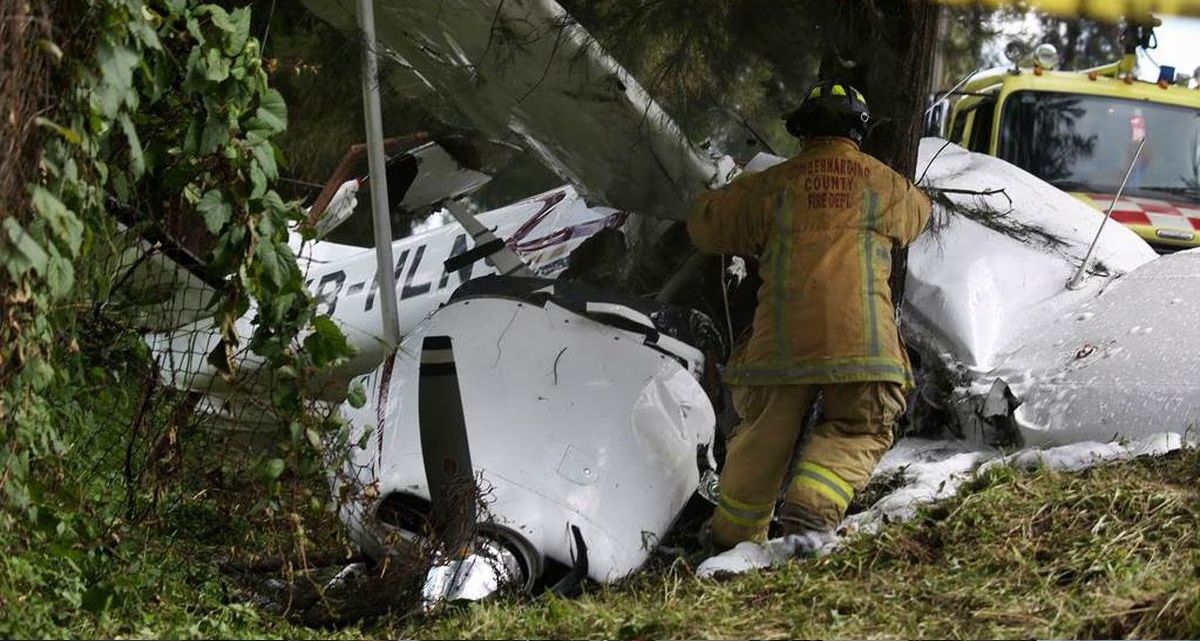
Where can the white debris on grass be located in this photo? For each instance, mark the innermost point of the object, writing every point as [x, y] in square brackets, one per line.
[932, 470]
[1079, 456]
[753, 556]
[471, 578]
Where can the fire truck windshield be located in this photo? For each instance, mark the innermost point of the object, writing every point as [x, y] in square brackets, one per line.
[1085, 143]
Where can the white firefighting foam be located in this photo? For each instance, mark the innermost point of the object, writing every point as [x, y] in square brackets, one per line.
[933, 470]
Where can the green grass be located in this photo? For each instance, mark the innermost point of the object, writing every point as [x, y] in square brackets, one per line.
[1109, 552]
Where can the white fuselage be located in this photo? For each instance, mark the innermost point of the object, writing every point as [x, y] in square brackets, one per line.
[542, 229]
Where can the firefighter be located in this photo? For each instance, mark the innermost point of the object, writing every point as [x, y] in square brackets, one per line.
[823, 226]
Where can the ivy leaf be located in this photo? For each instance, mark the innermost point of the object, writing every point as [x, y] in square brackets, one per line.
[258, 180]
[278, 310]
[274, 204]
[356, 396]
[216, 210]
[20, 252]
[273, 469]
[271, 116]
[145, 33]
[264, 153]
[239, 33]
[326, 345]
[272, 264]
[116, 68]
[230, 245]
[196, 71]
[193, 27]
[214, 136]
[217, 66]
[63, 222]
[60, 274]
[220, 17]
[314, 439]
[120, 186]
[137, 159]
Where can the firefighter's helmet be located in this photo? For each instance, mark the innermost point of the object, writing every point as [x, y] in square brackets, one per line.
[831, 109]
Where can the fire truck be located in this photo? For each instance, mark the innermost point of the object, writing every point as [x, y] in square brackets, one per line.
[1081, 130]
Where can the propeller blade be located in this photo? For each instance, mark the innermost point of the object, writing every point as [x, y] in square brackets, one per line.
[444, 447]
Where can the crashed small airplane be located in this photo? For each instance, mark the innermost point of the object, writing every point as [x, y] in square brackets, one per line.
[586, 414]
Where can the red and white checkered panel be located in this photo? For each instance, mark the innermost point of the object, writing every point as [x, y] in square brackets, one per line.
[1150, 211]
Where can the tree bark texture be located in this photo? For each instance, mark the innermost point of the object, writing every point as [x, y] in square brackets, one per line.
[884, 48]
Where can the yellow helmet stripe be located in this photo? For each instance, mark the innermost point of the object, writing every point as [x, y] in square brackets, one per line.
[837, 89]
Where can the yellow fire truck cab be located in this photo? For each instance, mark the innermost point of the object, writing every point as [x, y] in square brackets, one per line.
[1080, 130]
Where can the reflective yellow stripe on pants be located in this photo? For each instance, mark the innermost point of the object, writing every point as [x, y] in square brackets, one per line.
[745, 514]
[825, 482]
[836, 461]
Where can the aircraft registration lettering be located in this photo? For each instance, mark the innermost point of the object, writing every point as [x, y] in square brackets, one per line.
[410, 289]
[375, 281]
[326, 297]
[413, 287]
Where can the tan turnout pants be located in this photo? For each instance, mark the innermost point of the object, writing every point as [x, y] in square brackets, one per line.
[854, 432]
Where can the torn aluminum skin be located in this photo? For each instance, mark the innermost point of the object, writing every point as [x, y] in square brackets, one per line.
[581, 409]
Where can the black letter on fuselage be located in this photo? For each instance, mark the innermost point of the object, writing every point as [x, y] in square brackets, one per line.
[330, 298]
[411, 290]
[375, 282]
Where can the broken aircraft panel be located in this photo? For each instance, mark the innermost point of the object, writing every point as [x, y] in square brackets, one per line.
[987, 294]
[582, 410]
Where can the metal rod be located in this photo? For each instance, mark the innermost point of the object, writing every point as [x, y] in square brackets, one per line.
[1077, 280]
[389, 309]
[952, 90]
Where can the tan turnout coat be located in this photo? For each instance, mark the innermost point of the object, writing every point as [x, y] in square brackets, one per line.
[823, 226]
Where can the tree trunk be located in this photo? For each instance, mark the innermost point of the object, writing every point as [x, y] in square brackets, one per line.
[885, 49]
[1070, 53]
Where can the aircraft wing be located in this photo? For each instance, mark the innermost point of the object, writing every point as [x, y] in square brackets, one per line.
[525, 68]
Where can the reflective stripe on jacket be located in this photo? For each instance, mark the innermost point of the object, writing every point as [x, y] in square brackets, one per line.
[823, 226]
